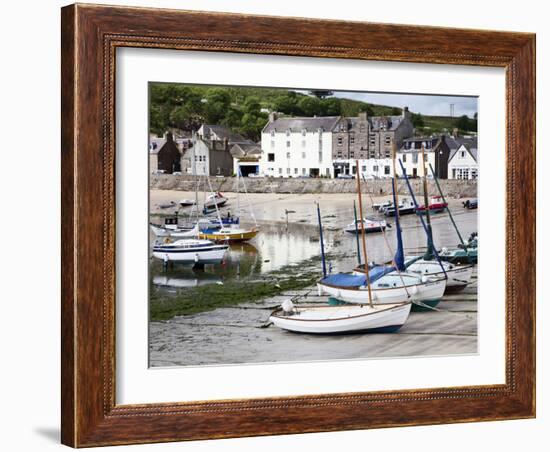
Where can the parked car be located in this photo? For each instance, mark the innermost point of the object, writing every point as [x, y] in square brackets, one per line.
[345, 176]
[177, 173]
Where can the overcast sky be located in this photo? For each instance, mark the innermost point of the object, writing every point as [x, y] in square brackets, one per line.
[417, 103]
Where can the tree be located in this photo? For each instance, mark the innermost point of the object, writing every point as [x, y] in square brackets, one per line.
[310, 106]
[287, 103]
[331, 106]
[395, 111]
[218, 101]
[465, 123]
[417, 120]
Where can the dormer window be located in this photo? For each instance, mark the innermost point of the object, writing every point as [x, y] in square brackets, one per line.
[272, 133]
[288, 133]
[304, 132]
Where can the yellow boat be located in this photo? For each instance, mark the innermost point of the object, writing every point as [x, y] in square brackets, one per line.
[230, 234]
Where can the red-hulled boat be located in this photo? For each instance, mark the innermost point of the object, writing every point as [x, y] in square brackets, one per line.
[436, 205]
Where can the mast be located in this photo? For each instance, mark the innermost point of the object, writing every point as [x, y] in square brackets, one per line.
[321, 240]
[420, 216]
[399, 257]
[363, 233]
[429, 255]
[357, 234]
[447, 208]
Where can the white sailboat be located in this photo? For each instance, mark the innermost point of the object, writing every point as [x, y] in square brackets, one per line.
[341, 319]
[367, 226]
[190, 251]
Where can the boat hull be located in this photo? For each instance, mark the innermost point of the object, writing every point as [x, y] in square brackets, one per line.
[343, 320]
[211, 255]
[458, 276]
[231, 237]
[429, 290]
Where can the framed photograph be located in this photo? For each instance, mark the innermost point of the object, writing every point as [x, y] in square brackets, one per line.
[280, 225]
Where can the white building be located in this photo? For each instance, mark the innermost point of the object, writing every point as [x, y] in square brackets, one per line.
[463, 162]
[297, 147]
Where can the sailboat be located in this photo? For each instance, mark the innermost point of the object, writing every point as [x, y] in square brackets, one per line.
[430, 264]
[231, 232]
[190, 251]
[341, 319]
[383, 283]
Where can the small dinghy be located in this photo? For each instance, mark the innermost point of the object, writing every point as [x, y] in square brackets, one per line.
[229, 234]
[215, 201]
[436, 205]
[187, 202]
[342, 319]
[367, 226]
[458, 276]
[406, 207]
[190, 251]
[465, 253]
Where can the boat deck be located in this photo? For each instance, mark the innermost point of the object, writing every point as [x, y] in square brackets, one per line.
[242, 334]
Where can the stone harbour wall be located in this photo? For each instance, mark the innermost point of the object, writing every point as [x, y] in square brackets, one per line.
[452, 188]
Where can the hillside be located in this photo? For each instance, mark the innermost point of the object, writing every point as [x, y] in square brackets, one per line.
[245, 110]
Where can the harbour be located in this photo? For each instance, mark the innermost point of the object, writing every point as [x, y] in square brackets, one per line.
[220, 314]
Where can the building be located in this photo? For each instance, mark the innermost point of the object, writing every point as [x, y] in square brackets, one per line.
[164, 154]
[463, 161]
[246, 158]
[214, 132]
[330, 145]
[209, 157]
[436, 151]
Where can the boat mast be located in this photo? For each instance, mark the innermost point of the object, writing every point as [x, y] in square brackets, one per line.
[363, 232]
[357, 234]
[430, 251]
[420, 216]
[322, 242]
[447, 209]
[215, 202]
[399, 258]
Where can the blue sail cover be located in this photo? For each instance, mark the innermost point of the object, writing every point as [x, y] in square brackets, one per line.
[348, 280]
[399, 258]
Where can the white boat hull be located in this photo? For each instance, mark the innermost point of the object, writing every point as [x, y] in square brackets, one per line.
[212, 255]
[458, 276]
[430, 290]
[343, 319]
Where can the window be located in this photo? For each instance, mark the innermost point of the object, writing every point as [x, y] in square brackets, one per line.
[303, 154]
[364, 168]
[303, 143]
[386, 170]
[352, 138]
[288, 133]
[339, 155]
[320, 144]
[352, 155]
[362, 128]
[340, 141]
[303, 132]
[270, 157]
[288, 170]
[288, 144]
[474, 173]
[404, 158]
[327, 171]
[304, 171]
[462, 154]
[280, 171]
[372, 154]
[353, 170]
[387, 153]
[320, 157]
[288, 155]
[387, 139]
[272, 133]
[375, 168]
[295, 170]
[272, 143]
[415, 157]
[372, 140]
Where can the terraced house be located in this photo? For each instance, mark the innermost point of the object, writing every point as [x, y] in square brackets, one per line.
[329, 146]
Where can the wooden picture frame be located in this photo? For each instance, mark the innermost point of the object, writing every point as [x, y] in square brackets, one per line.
[90, 36]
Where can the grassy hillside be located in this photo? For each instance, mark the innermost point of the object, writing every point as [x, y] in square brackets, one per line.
[245, 110]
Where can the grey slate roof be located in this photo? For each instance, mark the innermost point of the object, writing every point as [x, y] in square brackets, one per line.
[454, 143]
[155, 144]
[298, 124]
[224, 132]
[387, 122]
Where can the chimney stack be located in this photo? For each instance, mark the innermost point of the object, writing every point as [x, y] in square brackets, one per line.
[406, 113]
[362, 115]
[168, 136]
[273, 116]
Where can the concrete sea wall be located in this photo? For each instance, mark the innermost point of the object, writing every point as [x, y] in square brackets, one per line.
[451, 188]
